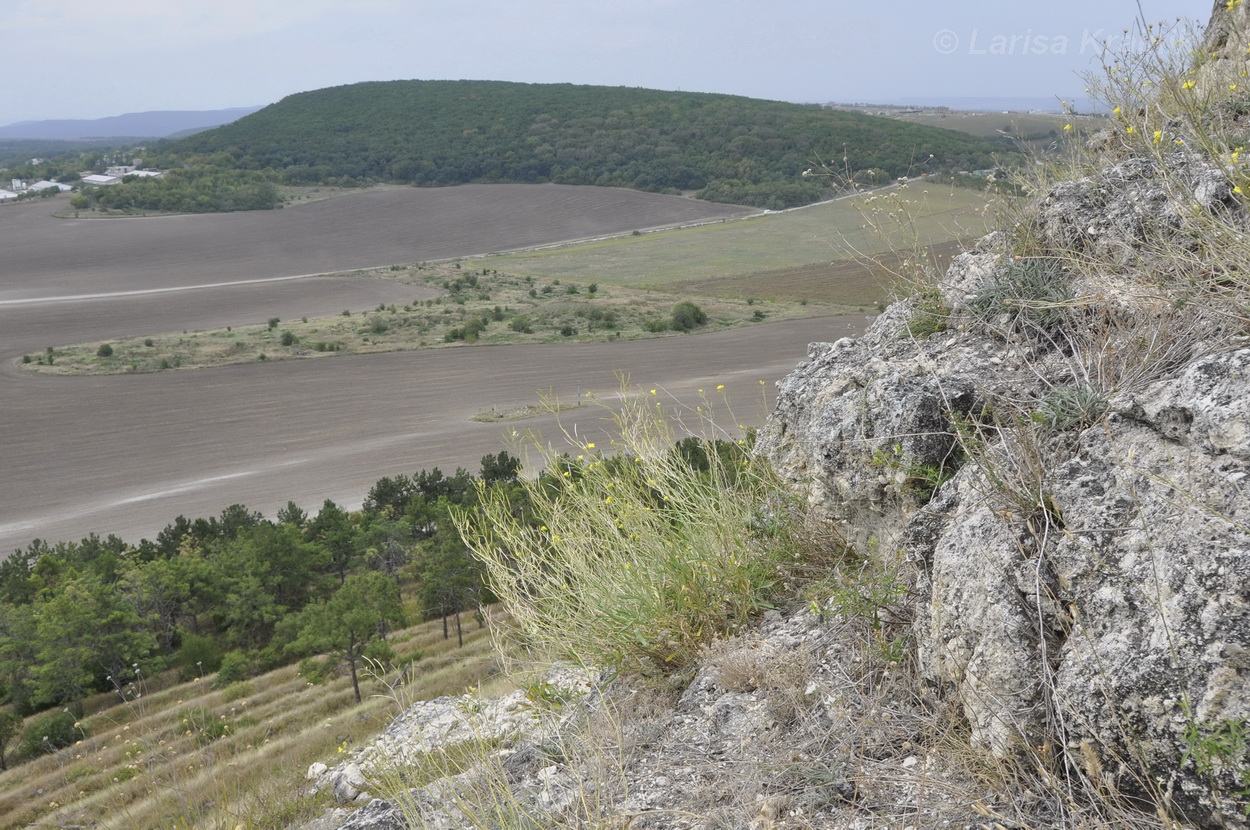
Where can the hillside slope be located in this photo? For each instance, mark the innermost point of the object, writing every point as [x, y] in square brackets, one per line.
[731, 148]
[1038, 474]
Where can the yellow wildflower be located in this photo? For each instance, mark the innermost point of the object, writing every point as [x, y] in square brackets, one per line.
[1188, 85]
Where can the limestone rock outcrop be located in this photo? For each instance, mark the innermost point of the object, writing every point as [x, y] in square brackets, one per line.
[1072, 492]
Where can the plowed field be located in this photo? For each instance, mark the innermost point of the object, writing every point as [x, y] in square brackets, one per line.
[126, 454]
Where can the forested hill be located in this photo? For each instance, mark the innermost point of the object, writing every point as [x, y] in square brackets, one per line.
[729, 148]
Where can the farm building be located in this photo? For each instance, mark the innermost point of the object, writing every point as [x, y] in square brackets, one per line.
[47, 185]
[7, 194]
[100, 181]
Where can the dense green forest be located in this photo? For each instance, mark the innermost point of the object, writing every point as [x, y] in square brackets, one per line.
[239, 594]
[724, 147]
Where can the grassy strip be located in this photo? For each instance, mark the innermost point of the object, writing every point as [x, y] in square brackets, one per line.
[833, 232]
[476, 306]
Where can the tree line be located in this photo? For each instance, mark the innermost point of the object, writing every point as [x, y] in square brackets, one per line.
[237, 593]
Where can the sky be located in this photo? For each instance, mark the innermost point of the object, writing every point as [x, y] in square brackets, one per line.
[87, 59]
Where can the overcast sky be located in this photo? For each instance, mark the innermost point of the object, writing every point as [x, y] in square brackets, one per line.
[90, 59]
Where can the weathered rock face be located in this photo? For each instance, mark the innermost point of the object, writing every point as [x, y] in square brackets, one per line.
[1084, 584]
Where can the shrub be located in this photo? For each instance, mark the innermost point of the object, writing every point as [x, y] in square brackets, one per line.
[273, 323]
[48, 733]
[687, 316]
[237, 691]
[235, 666]
[105, 350]
[521, 325]
[149, 342]
[378, 325]
[288, 338]
[567, 331]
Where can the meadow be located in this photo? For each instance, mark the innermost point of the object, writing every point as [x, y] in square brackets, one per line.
[817, 253]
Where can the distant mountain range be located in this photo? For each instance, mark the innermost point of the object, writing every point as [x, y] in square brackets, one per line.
[156, 124]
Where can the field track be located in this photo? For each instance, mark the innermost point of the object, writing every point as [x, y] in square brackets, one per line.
[126, 454]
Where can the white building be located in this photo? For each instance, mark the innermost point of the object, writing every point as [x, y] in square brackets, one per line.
[100, 181]
[47, 185]
[5, 195]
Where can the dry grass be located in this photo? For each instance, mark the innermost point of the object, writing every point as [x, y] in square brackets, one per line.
[141, 767]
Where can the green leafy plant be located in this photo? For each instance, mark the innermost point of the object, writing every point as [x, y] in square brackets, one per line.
[1221, 750]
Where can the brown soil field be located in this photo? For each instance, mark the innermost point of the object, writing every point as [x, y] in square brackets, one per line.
[376, 227]
[126, 454]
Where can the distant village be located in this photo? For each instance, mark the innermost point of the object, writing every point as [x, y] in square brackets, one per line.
[113, 175]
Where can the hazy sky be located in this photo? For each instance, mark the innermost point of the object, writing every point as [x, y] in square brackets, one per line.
[88, 59]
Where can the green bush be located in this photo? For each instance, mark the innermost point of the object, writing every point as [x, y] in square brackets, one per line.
[235, 666]
[288, 338]
[687, 316]
[48, 733]
[105, 350]
[237, 691]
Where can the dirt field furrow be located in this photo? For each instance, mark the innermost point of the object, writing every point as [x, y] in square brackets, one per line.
[126, 454]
